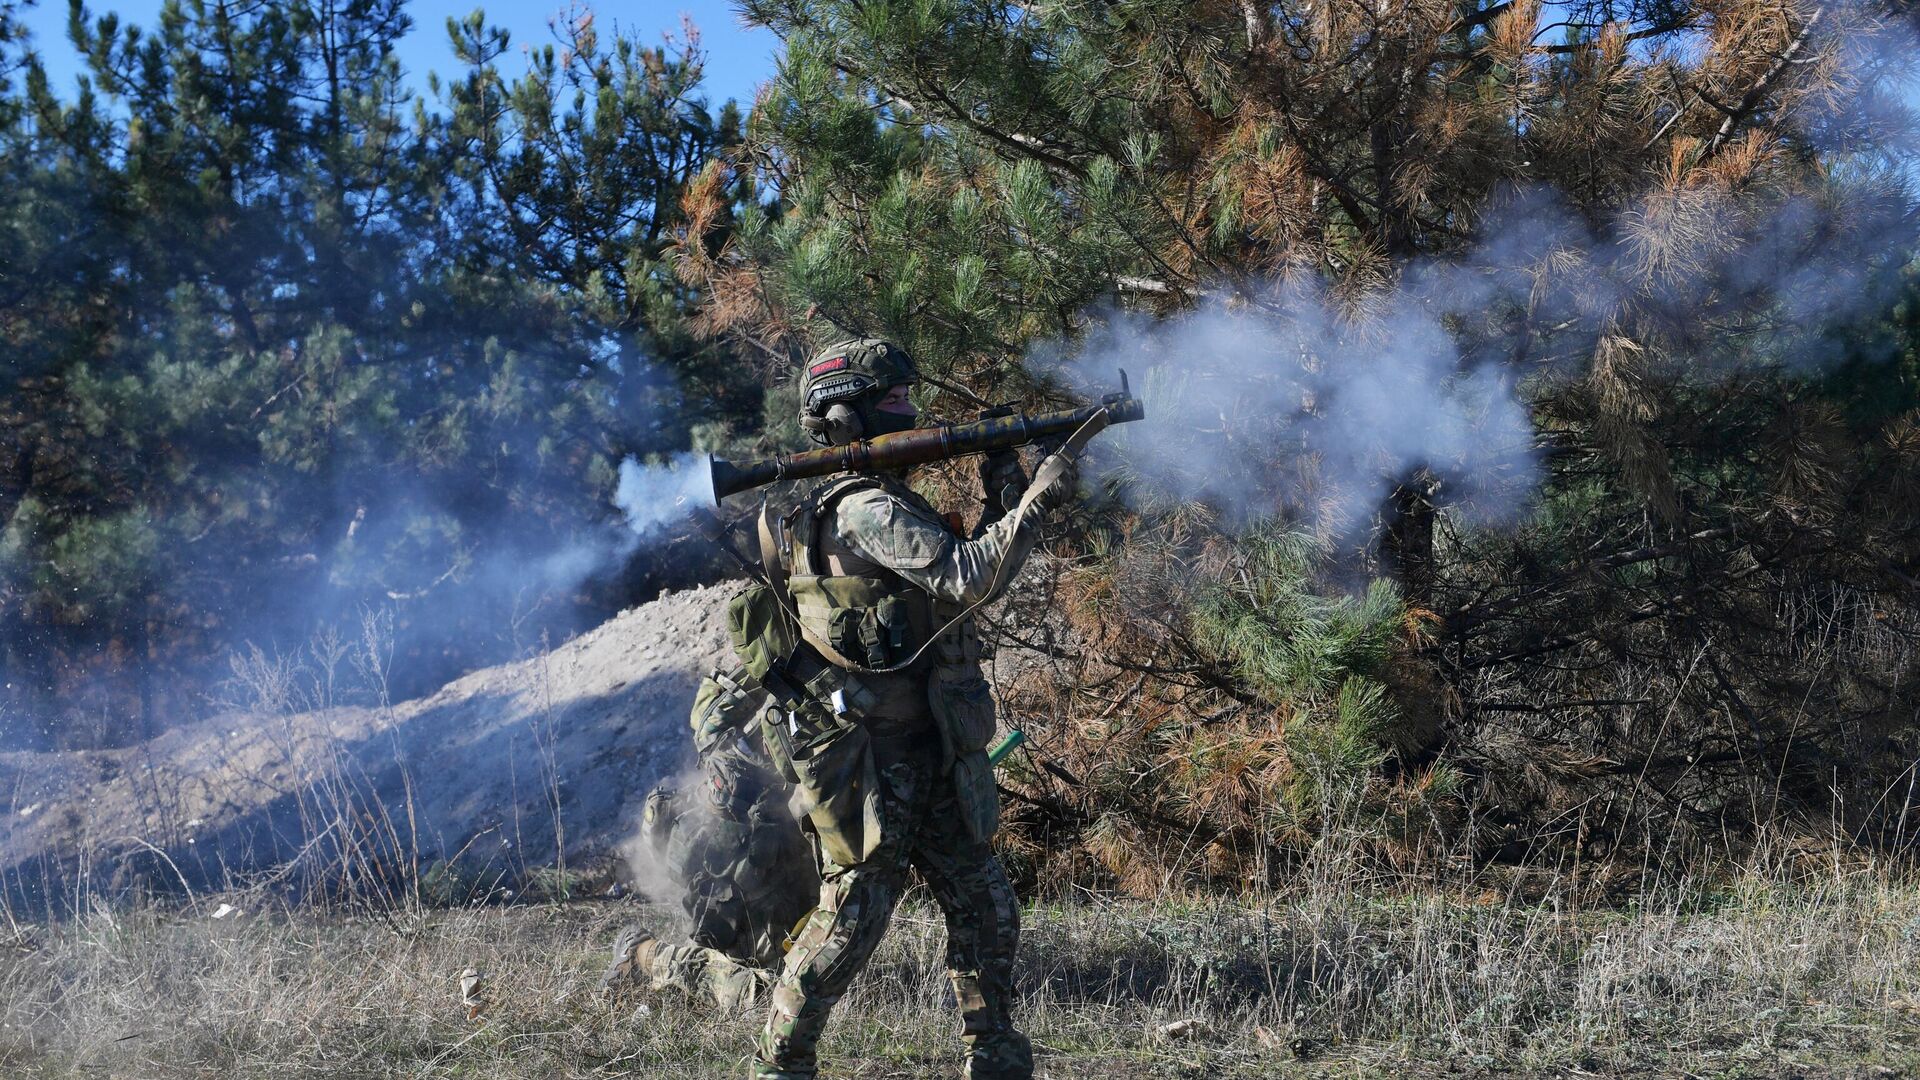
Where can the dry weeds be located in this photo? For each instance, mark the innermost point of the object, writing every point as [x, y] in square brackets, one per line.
[1768, 976]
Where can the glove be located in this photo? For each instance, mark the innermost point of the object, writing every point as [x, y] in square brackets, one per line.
[1003, 480]
[1061, 488]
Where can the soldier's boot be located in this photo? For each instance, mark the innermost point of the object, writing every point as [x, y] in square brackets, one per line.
[996, 1050]
[786, 1048]
[1004, 1055]
[632, 962]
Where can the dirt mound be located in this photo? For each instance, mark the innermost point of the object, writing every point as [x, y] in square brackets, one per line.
[505, 768]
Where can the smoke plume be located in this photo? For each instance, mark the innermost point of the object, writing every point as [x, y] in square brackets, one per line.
[1294, 401]
[1285, 398]
[655, 497]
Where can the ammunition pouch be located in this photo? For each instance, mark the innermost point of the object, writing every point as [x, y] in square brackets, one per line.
[871, 621]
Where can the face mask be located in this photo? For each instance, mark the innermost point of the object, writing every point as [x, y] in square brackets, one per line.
[877, 421]
[887, 423]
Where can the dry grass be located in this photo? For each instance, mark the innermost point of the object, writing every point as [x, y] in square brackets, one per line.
[1767, 976]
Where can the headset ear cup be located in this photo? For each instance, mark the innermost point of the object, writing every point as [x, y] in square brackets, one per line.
[843, 424]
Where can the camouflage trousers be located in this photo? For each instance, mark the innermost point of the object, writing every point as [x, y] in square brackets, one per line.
[921, 827]
[705, 972]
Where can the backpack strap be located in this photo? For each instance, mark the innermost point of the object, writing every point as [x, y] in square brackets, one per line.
[810, 518]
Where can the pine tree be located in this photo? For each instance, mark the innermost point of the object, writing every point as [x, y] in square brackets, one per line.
[573, 175]
[979, 179]
[281, 342]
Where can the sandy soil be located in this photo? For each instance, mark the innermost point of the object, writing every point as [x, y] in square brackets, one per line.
[507, 767]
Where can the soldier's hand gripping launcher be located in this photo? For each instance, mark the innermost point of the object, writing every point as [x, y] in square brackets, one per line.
[922, 445]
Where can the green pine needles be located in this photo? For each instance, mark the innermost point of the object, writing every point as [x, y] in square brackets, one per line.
[1317, 656]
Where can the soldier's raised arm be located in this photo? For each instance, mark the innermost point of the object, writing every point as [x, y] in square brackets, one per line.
[918, 546]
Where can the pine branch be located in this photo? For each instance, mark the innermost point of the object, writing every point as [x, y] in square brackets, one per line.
[1478, 18]
[1015, 143]
[1670, 26]
[1755, 95]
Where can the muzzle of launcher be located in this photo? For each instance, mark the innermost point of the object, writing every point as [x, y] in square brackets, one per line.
[921, 445]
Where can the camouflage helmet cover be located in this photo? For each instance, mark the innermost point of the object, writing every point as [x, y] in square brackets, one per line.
[856, 374]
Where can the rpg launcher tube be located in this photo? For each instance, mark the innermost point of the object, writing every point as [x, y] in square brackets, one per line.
[917, 447]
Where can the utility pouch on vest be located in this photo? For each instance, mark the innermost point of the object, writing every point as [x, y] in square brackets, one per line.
[979, 799]
[835, 689]
[763, 634]
[865, 619]
[838, 789]
[877, 635]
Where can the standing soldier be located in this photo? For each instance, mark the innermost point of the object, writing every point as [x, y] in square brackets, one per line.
[888, 747]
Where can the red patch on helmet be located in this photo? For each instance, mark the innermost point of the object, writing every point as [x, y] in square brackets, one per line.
[825, 366]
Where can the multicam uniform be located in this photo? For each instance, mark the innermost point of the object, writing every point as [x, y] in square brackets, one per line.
[874, 571]
[734, 846]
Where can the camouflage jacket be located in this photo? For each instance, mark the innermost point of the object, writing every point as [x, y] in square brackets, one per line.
[890, 530]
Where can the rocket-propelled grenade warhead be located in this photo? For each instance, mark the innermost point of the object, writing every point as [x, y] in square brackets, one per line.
[922, 445]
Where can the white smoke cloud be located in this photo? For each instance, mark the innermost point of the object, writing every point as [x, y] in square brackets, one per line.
[655, 497]
[1295, 410]
[652, 499]
[1289, 401]
[1299, 403]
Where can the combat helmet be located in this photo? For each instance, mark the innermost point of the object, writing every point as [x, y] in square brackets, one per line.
[841, 385]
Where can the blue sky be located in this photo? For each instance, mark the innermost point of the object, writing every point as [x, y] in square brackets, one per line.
[738, 59]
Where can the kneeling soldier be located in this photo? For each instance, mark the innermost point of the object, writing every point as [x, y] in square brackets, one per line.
[734, 846]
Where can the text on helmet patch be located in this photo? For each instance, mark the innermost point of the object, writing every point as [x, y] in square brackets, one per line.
[825, 366]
